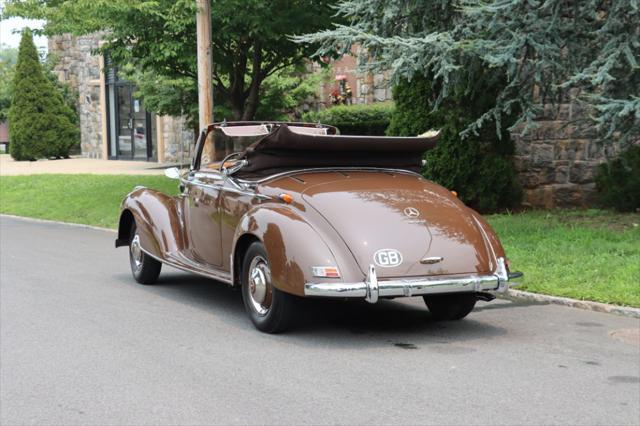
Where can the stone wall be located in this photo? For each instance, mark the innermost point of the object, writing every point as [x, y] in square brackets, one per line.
[178, 139]
[81, 69]
[557, 162]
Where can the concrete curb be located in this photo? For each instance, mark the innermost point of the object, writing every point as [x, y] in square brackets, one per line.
[76, 225]
[519, 295]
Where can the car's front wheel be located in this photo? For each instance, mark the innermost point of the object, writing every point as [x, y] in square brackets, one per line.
[144, 268]
[447, 307]
[270, 309]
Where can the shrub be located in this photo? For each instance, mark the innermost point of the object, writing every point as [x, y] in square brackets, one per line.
[479, 167]
[370, 119]
[40, 124]
[618, 181]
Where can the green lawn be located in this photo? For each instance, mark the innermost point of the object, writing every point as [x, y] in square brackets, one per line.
[592, 254]
[582, 254]
[89, 199]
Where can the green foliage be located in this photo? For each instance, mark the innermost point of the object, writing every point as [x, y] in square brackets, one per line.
[478, 167]
[40, 124]
[369, 119]
[250, 43]
[541, 48]
[287, 92]
[282, 94]
[8, 58]
[166, 95]
[618, 181]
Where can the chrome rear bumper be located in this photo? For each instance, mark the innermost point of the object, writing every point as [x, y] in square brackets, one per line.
[371, 289]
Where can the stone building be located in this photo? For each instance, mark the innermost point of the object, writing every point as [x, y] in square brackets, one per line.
[113, 122]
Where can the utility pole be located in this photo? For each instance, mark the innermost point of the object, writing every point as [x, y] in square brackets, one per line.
[205, 71]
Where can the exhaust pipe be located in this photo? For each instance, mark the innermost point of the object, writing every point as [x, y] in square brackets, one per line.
[487, 297]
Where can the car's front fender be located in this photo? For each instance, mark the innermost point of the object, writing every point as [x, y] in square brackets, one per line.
[157, 221]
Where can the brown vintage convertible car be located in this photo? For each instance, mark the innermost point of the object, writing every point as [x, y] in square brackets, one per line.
[297, 210]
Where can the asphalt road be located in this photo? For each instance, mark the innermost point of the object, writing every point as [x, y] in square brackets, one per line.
[82, 343]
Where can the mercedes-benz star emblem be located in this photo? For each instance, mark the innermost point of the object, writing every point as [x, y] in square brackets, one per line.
[411, 212]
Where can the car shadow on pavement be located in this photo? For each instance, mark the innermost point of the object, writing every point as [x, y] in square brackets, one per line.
[403, 324]
[198, 292]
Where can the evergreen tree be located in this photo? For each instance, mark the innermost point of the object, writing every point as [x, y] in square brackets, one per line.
[543, 49]
[40, 124]
[478, 168]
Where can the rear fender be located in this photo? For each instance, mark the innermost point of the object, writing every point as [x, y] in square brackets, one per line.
[491, 239]
[293, 246]
[158, 221]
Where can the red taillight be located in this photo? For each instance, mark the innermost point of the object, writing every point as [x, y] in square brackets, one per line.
[325, 272]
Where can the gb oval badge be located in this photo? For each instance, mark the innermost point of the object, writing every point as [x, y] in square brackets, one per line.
[387, 258]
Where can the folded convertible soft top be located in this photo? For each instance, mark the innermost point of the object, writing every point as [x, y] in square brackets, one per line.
[284, 149]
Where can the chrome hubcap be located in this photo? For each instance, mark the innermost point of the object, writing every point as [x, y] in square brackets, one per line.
[136, 252]
[260, 285]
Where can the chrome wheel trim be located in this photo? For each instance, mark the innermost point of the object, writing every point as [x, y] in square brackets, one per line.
[259, 285]
[136, 252]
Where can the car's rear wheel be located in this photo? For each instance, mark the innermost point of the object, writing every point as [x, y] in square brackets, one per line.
[447, 307]
[145, 269]
[270, 309]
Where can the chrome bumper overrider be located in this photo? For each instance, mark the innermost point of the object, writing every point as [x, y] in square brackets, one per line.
[372, 289]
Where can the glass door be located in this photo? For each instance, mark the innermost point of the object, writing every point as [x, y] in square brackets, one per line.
[130, 127]
[125, 124]
[141, 145]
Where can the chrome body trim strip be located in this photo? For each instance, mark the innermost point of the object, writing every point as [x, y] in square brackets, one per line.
[240, 184]
[372, 288]
[246, 192]
[232, 272]
[217, 275]
[487, 242]
[328, 169]
[237, 189]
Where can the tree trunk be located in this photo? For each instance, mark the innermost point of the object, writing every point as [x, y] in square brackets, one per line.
[253, 96]
[236, 107]
[236, 88]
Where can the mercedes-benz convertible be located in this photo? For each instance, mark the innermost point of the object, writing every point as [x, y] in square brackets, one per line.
[291, 210]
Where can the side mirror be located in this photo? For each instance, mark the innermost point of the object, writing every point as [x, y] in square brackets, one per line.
[172, 173]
